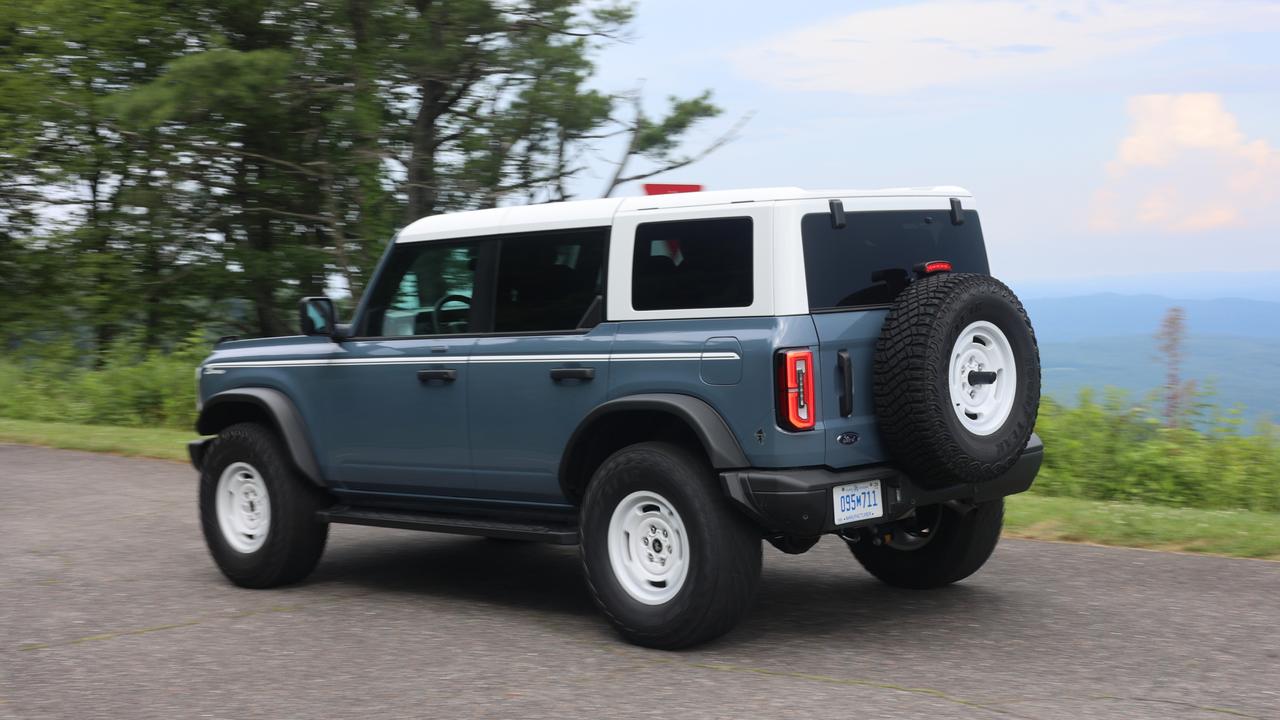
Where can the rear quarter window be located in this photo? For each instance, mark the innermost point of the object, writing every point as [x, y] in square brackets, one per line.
[684, 264]
[872, 258]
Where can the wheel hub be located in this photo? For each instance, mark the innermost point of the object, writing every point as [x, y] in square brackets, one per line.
[982, 378]
[243, 507]
[648, 547]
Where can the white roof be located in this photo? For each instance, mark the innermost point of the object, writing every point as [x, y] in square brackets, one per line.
[600, 213]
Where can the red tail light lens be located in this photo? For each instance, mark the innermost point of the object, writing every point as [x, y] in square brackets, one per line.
[797, 407]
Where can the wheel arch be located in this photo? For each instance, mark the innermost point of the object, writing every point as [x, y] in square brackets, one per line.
[656, 416]
[271, 407]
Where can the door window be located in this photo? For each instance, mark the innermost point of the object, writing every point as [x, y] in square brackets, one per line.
[548, 282]
[426, 289]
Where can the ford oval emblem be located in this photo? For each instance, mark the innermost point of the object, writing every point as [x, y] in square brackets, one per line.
[847, 438]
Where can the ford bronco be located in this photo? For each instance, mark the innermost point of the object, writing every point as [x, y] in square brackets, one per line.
[665, 381]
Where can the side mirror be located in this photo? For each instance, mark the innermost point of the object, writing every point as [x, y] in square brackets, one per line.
[316, 316]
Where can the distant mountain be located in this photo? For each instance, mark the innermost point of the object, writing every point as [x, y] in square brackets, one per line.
[1108, 315]
[1243, 371]
[1108, 340]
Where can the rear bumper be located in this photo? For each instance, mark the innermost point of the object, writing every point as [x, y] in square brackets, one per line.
[798, 501]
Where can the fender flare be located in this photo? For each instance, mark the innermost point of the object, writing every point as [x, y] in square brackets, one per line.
[722, 447]
[279, 408]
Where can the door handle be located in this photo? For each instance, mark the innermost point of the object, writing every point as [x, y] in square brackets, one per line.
[846, 381]
[444, 375]
[572, 373]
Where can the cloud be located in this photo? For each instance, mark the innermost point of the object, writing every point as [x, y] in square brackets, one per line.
[1186, 166]
[974, 44]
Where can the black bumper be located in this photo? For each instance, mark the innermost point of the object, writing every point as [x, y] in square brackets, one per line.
[798, 501]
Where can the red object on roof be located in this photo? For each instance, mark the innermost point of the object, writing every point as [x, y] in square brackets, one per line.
[669, 188]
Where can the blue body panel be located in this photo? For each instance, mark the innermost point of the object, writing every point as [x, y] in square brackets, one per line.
[497, 432]
[521, 419]
[747, 405]
[387, 431]
[855, 331]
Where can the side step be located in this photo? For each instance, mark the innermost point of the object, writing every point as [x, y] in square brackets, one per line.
[556, 533]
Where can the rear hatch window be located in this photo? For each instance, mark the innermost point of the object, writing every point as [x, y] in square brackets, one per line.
[872, 258]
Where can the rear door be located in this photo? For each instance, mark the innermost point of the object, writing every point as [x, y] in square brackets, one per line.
[852, 276]
[544, 365]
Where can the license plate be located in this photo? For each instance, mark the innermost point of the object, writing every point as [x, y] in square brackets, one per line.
[859, 501]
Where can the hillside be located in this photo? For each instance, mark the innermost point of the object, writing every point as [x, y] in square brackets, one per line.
[1108, 340]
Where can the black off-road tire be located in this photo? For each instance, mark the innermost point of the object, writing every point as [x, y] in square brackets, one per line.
[295, 538]
[959, 545]
[918, 426]
[724, 548]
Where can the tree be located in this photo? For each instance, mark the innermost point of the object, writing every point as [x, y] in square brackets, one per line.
[659, 141]
[1169, 342]
[164, 166]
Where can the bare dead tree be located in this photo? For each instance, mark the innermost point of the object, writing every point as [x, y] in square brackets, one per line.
[1169, 342]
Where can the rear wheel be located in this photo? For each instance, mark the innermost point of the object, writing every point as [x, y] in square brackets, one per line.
[258, 513]
[941, 545]
[666, 558]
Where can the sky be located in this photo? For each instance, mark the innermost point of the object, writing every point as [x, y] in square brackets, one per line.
[1099, 139]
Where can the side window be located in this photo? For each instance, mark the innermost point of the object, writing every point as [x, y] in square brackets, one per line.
[548, 282]
[692, 264]
[425, 290]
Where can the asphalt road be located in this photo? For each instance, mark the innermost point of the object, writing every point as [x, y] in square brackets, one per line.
[110, 607]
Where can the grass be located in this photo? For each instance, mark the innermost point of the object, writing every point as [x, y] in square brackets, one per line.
[163, 444]
[1237, 533]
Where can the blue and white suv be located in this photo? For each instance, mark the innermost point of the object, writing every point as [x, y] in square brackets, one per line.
[665, 381]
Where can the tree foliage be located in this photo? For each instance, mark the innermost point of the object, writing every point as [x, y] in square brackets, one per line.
[183, 164]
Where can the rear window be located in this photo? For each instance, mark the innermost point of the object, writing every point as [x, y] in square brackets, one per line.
[872, 258]
[685, 264]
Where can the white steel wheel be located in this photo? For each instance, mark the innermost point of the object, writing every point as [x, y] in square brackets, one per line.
[243, 507]
[648, 547]
[982, 401]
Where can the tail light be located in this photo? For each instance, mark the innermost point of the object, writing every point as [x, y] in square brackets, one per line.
[797, 406]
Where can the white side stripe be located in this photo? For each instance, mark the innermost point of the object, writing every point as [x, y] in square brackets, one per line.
[475, 359]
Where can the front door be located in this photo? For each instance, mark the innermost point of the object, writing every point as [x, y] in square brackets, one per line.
[397, 393]
[543, 367]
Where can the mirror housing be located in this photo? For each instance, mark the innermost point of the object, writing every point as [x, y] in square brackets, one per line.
[316, 316]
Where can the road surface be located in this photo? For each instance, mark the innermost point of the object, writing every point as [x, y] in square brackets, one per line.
[110, 607]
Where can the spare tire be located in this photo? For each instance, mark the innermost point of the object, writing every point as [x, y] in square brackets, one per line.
[957, 379]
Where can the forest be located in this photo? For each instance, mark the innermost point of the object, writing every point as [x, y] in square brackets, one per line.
[167, 168]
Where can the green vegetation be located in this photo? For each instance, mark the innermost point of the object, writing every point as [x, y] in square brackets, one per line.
[162, 444]
[1112, 450]
[165, 166]
[134, 387]
[1238, 533]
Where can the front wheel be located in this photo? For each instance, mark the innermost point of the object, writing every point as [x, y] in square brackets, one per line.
[940, 546]
[667, 559]
[258, 513]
